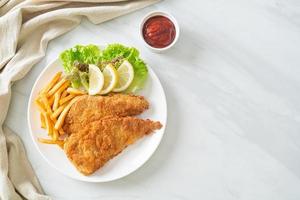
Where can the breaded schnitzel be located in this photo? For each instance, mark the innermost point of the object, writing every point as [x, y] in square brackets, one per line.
[101, 140]
[91, 108]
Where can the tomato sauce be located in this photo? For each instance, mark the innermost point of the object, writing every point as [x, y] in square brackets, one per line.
[159, 31]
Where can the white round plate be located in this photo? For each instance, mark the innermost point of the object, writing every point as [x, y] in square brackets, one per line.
[133, 157]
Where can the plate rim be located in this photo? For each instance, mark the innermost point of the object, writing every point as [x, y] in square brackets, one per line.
[33, 136]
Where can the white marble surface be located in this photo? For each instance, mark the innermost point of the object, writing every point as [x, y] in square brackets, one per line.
[233, 91]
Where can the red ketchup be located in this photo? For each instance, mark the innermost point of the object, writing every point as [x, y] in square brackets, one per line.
[159, 31]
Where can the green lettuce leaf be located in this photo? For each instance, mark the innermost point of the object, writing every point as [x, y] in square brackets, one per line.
[132, 55]
[74, 77]
[84, 79]
[89, 54]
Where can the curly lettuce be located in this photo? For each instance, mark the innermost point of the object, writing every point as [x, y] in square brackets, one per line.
[131, 54]
[113, 53]
[89, 54]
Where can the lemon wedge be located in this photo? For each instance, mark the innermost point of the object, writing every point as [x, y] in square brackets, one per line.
[126, 75]
[111, 78]
[96, 80]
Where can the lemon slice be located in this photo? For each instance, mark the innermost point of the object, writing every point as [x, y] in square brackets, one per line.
[96, 80]
[110, 79]
[126, 75]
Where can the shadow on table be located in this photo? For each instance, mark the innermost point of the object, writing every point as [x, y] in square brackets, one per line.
[187, 50]
[169, 140]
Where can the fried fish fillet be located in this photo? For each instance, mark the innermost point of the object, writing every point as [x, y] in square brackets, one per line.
[92, 108]
[99, 141]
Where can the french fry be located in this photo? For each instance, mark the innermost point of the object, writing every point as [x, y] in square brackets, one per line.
[46, 141]
[56, 87]
[46, 103]
[43, 123]
[56, 101]
[55, 134]
[66, 99]
[57, 95]
[53, 120]
[49, 125]
[57, 112]
[75, 91]
[64, 94]
[51, 100]
[40, 106]
[38, 98]
[64, 113]
[52, 82]
[63, 87]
